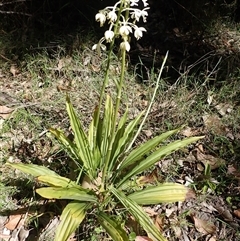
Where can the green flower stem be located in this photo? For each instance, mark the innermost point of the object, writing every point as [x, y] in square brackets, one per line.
[108, 165]
[102, 93]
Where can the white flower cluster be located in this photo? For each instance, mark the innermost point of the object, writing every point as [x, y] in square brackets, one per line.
[120, 25]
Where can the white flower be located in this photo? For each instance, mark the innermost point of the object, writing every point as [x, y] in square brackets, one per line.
[125, 46]
[145, 3]
[100, 17]
[109, 36]
[112, 16]
[125, 30]
[138, 33]
[98, 47]
[137, 14]
[134, 3]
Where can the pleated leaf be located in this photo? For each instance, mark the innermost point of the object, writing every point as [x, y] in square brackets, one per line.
[145, 148]
[113, 228]
[157, 155]
[135, 210]
[163, 193]
[71, 193]
[33, 169]
[68, 145]
[121, 143]
[57, 181]
[72, 216]
[81, 140]
[107, 127]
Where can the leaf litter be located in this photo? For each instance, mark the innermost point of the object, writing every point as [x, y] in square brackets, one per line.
[202, 217]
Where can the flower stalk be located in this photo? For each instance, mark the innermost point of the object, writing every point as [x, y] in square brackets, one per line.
[122, 17]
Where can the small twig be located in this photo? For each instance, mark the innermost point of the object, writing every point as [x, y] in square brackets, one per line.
[12, 12]
[2, 56]
[16, 1]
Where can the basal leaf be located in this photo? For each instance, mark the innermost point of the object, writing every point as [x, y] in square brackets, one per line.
[81, 140]
[145, 148]
[107, 127]
[135, 210]
[57, 181]
[72, 216]
[157, 155]
[68, 145]
[33, 169]
[71, 193]
[163, 193]
[114, 229]
[121, 144]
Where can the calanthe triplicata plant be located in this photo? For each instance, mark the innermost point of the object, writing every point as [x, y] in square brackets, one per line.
[108, 167]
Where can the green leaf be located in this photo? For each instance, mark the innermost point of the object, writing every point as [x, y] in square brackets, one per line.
[135, 210]
[81, 140]
[163, 193]
[114, 229]
[107, 128]
[68, 145]
[145, 148]
[121, 144]
[57, 181]
[93, 146]
[72, 216]
[33, 169]
[157, 155]
[71, 193]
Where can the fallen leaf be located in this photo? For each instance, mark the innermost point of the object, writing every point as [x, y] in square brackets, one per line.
[158, 222]
[214, 123]
[14, 222]
[14, 70]
[177, 230]
[214, 162]
[224, 109]
[5, 111]
[210, 97]
[150, 211]
[203, 226]
[213, 238]
[232, 170]
[237, 213]
[224, 212]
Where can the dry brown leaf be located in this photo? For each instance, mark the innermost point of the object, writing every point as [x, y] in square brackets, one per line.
[187, 132]
[63, 63]
[14, 70]
[214, 162]
[95, 68]
[5, 111]
[213, 238]
[214, 123]
[203, 226]
[177, 230]
[224, 109]
[224, 212]
[232, 170]
[237, 213]
[159, 222]
[15, 221]
[150, 211]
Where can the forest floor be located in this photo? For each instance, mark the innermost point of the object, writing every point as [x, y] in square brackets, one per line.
[32, 99]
